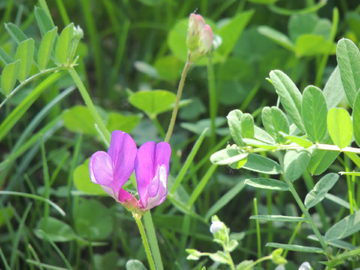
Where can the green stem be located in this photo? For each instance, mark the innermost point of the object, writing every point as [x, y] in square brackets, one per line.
[232, 266]
[105, 133]
[350, 194]
[231, 262]
[144, 239]
[257, 261]
[149, 225]
[212, 100]
[258, 235]
[340, 258]
[306, 213]
[177, 101]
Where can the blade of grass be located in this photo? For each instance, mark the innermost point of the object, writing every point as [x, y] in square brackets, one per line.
[258, 234]
[35, 197]
[7, 267]
[154, 246]
[224, 199]
[63, 13]
[56, 249]
[72, 169]
[15, 244]
[212, 100]
[47, 266]
[207, 156]
[32, 251]
[200, 187]
[119, 55]
[94, 40]
[188, 161]
[55, 122]
[46, 181]
[20, 110]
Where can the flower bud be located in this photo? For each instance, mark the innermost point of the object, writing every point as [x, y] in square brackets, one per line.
[196, 25]
[216, 226]
[206, 39]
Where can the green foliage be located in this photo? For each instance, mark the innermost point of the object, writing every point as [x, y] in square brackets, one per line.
[314, 111]
[46, 48]
[9, 76]
[308, 136]
[340, 127]
[153, 102]
[317, 194]
[90, 224]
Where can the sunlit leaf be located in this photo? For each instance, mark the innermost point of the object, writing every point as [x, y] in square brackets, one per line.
[340, 127]
[46, 47]
[63, 46]
[9, 76]
[348, 57]
[314, 112]
[25, 53]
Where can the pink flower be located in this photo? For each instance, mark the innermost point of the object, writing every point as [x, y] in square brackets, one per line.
[111, 170]
[152, 170]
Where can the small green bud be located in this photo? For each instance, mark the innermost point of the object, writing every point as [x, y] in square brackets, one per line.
[277, 258]
[78, 33]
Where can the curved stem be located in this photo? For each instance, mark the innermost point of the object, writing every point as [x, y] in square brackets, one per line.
[145, 240]
[177, 101]
[90, 104]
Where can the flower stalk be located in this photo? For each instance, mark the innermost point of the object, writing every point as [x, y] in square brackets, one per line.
[177, 101]
[137, 218]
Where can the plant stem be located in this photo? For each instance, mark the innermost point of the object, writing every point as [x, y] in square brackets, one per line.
[231, 262]
[258, 261]
[145, 240]
[340, 258]
[177, 101]
[306, 213]
[90, 104]
[212, 100]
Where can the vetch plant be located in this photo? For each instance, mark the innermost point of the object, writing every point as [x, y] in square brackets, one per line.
[151, 163]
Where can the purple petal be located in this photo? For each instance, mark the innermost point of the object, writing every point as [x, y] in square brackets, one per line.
[157, 190]
[152, 169]
[122, 151]
[162, 155]
[144, 168]
[101, 168]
